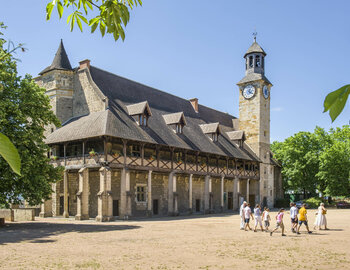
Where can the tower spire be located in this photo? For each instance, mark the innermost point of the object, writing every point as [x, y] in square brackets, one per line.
[254, 35]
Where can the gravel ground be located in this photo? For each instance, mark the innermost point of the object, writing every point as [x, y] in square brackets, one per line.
[196, 242]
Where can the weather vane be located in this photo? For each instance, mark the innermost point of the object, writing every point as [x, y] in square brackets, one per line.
[254, 35]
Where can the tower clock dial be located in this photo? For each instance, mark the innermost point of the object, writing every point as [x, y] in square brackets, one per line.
[266, 92]
[248, 91]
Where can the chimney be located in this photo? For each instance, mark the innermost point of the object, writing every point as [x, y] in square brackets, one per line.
[84, 64]
[194, 102]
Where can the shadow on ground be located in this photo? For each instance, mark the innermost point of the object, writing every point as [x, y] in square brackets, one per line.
[36, 232]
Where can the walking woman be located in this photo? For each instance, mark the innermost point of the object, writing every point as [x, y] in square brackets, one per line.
[321, 219]
[257, 217]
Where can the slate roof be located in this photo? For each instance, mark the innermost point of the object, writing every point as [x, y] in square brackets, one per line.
[255, 48]
[174, 118]
[60, 61]
[250, 77]
[117, 122]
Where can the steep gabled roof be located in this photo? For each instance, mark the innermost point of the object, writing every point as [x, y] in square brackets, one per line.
[60, 62]
[210, 128]
[139, 108]
[251, 77]
[174, 118]
[236, 135]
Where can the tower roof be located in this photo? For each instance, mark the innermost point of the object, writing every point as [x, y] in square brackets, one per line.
[255, 48]
[60, 61]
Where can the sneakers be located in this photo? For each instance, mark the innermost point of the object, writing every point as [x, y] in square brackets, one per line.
[309, 232]
[298, 232]
[284, 235]
[270, 233]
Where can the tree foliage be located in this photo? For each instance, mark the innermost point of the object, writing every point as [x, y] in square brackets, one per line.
[112, 15]
[316, 161]
[24, 111]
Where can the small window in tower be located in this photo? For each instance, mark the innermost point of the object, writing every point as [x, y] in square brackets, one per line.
[262, 61]
[265, 133]
[250, 61]
[257, 61]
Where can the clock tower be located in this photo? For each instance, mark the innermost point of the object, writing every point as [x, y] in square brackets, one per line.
[254, 117]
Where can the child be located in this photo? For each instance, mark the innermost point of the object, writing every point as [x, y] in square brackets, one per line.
[266, 218]
[247, 215]
[279, 219]
[303, 219]
[257, 217]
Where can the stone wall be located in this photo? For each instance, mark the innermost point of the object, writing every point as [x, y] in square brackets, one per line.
[94, 183]
[182, 185]
[160, 192]
[198, 186]
[7, 214]
[23, 214]
[216, 191]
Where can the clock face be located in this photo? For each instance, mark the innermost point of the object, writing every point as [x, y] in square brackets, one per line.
[248, 91]
[266, 91]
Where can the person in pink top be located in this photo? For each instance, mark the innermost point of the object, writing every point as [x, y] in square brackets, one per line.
[279, 219]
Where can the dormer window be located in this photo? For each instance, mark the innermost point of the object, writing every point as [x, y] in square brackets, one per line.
[140, 112]
[175, 120]
[237, 136]
[211, 130]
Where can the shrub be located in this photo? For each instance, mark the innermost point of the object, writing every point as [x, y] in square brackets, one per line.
[282, 203]
[313, 202]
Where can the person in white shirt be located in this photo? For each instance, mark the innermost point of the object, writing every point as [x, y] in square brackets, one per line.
[266, 218]
[257, 217]
[247, 215]
[241, 213]
[294, 217]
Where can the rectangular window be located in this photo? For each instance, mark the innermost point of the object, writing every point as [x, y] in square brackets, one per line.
[178, 128]
[135, 151]
[142, 120]
[251, 61]
[140, 193]
[257, 61]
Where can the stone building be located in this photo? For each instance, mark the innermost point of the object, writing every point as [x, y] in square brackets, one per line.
[130, 150]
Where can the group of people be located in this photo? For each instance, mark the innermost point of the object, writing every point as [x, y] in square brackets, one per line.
[298, 217]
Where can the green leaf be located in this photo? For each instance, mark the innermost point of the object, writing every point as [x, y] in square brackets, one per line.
[60, 9]
[49, 8]
[9, 152]
[79, 24]
[335, 101]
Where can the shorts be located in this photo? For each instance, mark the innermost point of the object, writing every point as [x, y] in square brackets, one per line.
[246, 220]
[294, 220]
[303, 221]
[267, 223]
[280, 225]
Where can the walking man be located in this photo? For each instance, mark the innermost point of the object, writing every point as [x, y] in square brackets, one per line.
[247, 214]
[294, 217]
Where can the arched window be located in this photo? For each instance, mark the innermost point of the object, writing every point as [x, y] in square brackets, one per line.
[257, 61]
[251, 61]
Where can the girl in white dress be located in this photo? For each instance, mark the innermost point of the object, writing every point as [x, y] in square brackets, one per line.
[321, 217]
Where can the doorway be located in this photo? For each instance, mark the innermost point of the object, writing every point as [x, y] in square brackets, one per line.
[252, 199]
[115, 208]
[155, 207]
[230, 201]
[198, 205]
[62, 205]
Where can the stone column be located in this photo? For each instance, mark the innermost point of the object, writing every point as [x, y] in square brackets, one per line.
[222, 193]
[190, 194]
[83, 195]
[65, 194]
[206, 194]
[105, 199]
[248, 180]
[172, 196]
[46, 209]
[235, 193]
[125, 199]
[149, 193]
[55, 199]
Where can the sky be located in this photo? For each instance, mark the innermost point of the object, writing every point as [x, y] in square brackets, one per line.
[195, 49]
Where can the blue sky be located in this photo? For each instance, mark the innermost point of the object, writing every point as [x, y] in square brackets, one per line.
[195, 49]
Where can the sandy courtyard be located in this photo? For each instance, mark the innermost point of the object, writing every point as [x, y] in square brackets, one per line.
[197, 242]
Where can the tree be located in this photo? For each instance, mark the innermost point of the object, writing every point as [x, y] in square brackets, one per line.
[112, 15]
[334, 169]
[298, 155]
[24, 111]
